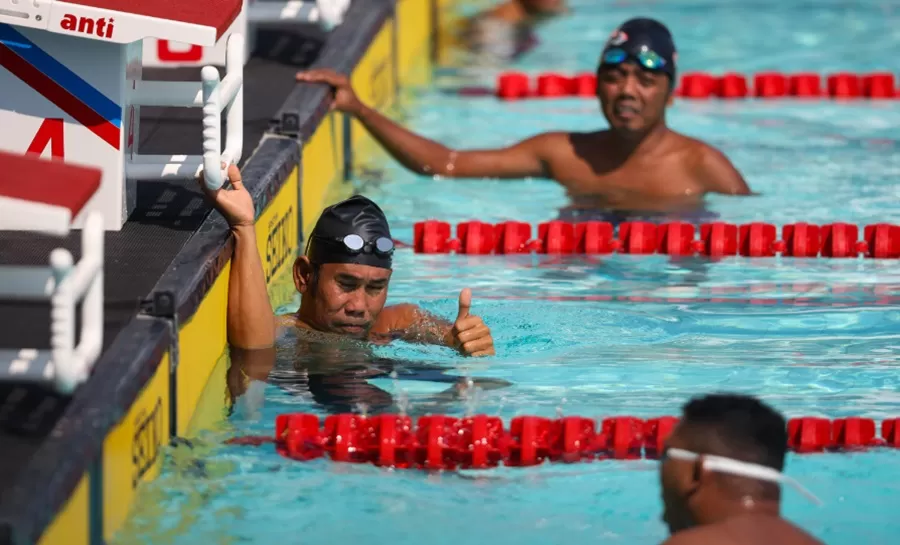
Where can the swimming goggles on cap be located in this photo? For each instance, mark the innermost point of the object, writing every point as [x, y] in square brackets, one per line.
[354, 244]
[647, 58]
[740, 469]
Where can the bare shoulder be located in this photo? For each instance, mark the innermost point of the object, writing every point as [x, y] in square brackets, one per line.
[395, 317]
[711, 166]
[700, 535]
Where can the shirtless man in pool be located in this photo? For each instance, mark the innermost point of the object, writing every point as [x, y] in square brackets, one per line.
[343, 282]
[726, 501]
[637, 166]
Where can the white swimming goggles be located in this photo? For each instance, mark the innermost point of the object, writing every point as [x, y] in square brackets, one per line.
[740, 469]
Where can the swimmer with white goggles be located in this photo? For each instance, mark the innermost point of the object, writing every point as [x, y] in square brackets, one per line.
[738, 468]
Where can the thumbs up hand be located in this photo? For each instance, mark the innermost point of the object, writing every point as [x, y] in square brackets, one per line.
[469, 334]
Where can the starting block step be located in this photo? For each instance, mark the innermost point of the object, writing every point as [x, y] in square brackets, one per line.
[27, 365]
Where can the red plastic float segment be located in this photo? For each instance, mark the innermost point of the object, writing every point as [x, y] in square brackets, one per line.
[621, 438]
[512, 237]
[431, 237]
[557, 237]
[854, 433]
[513, 85]
[756, 240]
[572, 439]
[732, 85]
[555, 86]
[439, 443]
[676, 238]
[801, 240]
[595, 237]
[879, 85]
[656, 431]
[476, 237]
[840, 240]
[484, 442]
[770, 85]
[718, 239]
[388, 440]
[529, 440]
[882, 241]
[638, 237]
[696, 86]
[298, 436]
[805, 85]
[585, 85]
[809, 434]
[844, 85]
[890, 432]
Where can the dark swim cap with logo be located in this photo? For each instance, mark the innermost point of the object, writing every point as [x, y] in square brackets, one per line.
[644, 41]
[352, 231]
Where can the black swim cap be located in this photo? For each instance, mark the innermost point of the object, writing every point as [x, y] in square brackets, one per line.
[643, 40]
[332, 240]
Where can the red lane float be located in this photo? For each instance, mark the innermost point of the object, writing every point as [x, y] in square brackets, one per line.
[717, 239]
[699, 85]
[481, 441]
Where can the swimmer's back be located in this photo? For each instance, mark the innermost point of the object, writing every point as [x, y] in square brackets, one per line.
[745, 530]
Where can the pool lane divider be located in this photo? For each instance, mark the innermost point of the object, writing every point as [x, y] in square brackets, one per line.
[437, 442]
[702, 86]
[716, 239]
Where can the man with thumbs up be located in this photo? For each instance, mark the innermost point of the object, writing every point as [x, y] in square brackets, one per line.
[343, 281]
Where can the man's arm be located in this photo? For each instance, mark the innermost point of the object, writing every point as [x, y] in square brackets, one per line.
[250, 318]
[719, 175]
[468, 333]
[427, 157]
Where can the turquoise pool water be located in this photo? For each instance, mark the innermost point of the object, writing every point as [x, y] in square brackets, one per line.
[812, 337]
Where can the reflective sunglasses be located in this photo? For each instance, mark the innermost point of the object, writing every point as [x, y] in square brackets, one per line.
[647, 58]
[354, 244]
[738, 468]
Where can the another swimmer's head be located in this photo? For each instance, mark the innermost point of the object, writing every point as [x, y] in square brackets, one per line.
[636, 75]
[734, 426]
[343, 278]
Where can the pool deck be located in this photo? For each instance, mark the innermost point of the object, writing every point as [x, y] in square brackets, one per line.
[71, 471]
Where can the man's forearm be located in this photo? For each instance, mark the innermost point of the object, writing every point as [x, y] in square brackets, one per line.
[417, 153]
[251, 321]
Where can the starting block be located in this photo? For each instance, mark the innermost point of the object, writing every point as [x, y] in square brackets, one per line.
[71, 75]
[42, 195]
[255, 14]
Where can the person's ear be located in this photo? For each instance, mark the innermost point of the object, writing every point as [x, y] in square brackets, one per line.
[303, 273]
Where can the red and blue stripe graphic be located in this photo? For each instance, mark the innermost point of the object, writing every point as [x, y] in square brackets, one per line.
[58, 84]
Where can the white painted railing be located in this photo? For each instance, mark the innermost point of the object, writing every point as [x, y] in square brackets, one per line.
[214, 97]
[64, 284]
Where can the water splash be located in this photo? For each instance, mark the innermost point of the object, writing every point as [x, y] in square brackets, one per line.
[403, 403]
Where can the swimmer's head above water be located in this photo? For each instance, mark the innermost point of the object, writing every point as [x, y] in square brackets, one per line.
[636, 75]
[343, 278]
[724, 459]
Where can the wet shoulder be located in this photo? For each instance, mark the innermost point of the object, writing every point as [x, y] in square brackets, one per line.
[702, 535]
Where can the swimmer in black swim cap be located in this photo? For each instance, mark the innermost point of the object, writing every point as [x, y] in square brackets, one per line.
[343, 281]
[646, 42]
[636, 75]
[352, 231]
[637, 166]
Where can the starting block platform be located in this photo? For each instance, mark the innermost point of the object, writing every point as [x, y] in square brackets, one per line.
[125, 137]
